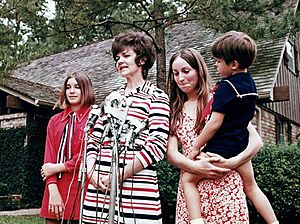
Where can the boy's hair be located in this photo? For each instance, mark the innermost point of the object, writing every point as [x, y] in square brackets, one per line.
[178, 98]
[235, 46]
[140, 43]
[87, 92]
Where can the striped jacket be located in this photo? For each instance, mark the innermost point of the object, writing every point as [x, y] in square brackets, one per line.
[139, 195]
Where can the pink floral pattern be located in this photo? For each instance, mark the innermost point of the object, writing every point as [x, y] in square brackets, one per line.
[222, 201]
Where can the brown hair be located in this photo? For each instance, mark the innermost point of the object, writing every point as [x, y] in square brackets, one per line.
[235, 46]
[178, 98]
[140, 43]
[87, 92]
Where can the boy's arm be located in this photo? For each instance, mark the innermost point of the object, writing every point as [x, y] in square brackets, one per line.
[209, 130]
[254, 146]
[201, 167]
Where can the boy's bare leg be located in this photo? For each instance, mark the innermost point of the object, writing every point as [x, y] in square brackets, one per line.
[190, 182]
[253, 192]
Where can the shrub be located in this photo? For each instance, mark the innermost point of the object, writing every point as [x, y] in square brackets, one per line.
[168, 177]
[277, 172]
[11, 161]
[21, 157]
[8, 201]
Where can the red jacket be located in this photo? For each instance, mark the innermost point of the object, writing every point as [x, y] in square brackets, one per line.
[54, 133]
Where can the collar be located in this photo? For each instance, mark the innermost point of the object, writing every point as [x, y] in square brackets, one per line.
[80, 114]
[145, 88]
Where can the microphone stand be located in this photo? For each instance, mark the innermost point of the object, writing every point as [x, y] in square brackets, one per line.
[83, 166]
[114, 180]
[83, 174]
[115, 168]
[114, 190]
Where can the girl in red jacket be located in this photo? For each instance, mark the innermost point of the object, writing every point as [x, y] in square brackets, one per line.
[64, 144]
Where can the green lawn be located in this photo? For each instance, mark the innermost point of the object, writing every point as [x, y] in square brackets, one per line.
[21, 220]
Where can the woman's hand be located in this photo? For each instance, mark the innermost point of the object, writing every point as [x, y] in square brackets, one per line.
[205, 166]
[100, 182]
[193, 153]
[222, 162]
[56, 205]
[49, 169]
[254, 145]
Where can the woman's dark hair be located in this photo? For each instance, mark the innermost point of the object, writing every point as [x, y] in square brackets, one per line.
[87, 92]
[141, 44]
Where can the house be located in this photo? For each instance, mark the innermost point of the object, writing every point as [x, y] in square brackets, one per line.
[28, 94]
[276, 74]
[31, 90]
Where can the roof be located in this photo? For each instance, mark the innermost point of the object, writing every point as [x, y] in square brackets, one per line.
[41, 79]
[31, 92]
[264, 70]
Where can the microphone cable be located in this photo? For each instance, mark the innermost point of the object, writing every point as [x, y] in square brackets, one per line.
[121, 184]
[70, 185]
[132, 182]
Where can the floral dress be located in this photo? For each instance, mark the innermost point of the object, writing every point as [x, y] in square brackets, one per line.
[222, 200]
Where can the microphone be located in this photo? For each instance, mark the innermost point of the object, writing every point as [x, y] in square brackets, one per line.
[128, 104]
[114, 98]
[94, 115]
[139, 127]
[136, 126]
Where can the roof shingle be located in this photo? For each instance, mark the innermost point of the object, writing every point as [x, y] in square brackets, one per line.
[42, 78]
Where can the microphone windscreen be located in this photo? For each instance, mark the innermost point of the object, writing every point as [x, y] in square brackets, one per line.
[129, 102]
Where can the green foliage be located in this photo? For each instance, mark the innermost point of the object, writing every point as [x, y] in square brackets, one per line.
[11, 160]
[18, 21]
[27, 34]
[168, 177]
[277, 172]
[34, 186]
[21, 158]
[3, 189]
[21, 220]
[259, 18]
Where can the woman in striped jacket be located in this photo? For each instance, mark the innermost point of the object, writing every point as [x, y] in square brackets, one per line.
[141, 141]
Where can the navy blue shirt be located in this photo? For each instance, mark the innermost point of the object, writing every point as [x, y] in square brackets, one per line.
[232, 136]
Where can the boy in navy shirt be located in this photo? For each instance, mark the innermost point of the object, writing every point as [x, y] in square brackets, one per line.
[225, 133]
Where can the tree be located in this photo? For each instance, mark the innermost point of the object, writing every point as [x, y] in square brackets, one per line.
[88, 21]
[81, 22]
[85, 21]
[19, 20]
[258, 18]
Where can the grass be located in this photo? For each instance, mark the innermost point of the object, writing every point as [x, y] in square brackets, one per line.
[5, 219]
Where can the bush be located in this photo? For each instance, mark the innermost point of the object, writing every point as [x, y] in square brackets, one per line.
[8, 201]
[277, 172]
[11, 164]
[21, 157]
[168, 177]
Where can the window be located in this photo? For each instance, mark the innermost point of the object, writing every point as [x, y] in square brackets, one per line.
[283, 130]
[290, 56]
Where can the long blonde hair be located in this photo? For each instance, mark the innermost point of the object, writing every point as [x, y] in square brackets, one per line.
[178, 98]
